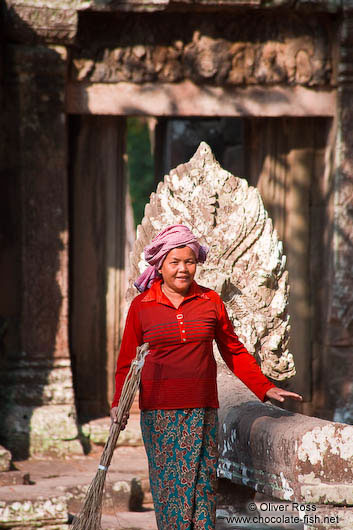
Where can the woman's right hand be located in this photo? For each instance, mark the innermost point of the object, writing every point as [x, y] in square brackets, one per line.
[114, 417]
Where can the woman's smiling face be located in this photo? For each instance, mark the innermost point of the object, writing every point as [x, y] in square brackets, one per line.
[178, 269]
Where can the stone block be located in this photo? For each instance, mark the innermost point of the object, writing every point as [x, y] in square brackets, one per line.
[120, 491]
[55, 21]
[46, 430]
[234, 495]
[12, 478]
[122, 494]
[136, 494]
[46, 512]
[97, 431]
[43, 382]
[5, 459]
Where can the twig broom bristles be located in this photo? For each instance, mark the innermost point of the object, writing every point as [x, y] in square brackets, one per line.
[90, 515]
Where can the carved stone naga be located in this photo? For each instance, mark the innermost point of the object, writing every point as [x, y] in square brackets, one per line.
[245, 264]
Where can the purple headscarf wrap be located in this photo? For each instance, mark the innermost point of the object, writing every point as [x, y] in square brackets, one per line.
[173, 236]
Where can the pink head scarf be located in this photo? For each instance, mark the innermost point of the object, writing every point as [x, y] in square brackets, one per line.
[173, 236]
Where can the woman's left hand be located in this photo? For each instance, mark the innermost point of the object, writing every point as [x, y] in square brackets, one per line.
[280, 395]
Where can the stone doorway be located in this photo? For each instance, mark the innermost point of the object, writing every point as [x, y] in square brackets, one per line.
[288, 160]
[283, 157]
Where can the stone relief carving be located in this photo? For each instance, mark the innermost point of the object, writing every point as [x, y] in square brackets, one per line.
[245, 265]
[216, 50]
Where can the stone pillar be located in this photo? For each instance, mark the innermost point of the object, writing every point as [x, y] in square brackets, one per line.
[284, 161]
[101, 238]
[338, 368]
[38, 416]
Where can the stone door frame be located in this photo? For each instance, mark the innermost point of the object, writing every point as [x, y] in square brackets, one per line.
[189, 100]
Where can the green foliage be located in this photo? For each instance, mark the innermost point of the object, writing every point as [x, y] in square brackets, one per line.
[140, 164]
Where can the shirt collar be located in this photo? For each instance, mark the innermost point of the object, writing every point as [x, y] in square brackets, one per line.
[155, 293]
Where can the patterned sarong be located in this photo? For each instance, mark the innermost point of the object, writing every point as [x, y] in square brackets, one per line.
[182, 451]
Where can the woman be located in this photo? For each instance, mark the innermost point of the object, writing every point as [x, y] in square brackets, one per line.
[178, 396]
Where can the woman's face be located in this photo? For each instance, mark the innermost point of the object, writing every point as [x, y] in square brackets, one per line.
[178, 269]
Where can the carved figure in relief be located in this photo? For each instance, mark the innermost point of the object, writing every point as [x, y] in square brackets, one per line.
[180, 319]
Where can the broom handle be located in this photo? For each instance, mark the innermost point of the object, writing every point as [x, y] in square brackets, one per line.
[126, 400]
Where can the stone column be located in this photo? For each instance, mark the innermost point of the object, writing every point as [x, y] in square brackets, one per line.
[39, 415]
[283, 157]
[101, 237]
[338, 368]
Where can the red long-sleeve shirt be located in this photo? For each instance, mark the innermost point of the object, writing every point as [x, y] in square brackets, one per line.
[180, 370]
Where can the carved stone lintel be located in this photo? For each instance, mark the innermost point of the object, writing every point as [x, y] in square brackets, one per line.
[206, 48]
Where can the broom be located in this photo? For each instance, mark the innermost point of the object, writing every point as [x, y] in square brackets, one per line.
[90, 515]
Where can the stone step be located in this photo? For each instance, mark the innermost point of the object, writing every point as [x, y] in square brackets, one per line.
[130, 521]
[12, 478]
[58, 488]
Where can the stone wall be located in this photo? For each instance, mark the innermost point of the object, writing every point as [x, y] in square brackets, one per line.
[338, 357]
[38, 410]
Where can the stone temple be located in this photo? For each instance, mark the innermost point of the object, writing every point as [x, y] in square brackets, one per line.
[72, 73]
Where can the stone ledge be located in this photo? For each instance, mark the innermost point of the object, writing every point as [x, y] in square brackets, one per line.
[36, 512]
[285, 455]
[61, 485]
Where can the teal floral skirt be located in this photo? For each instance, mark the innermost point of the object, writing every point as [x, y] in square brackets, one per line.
[182, 451]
